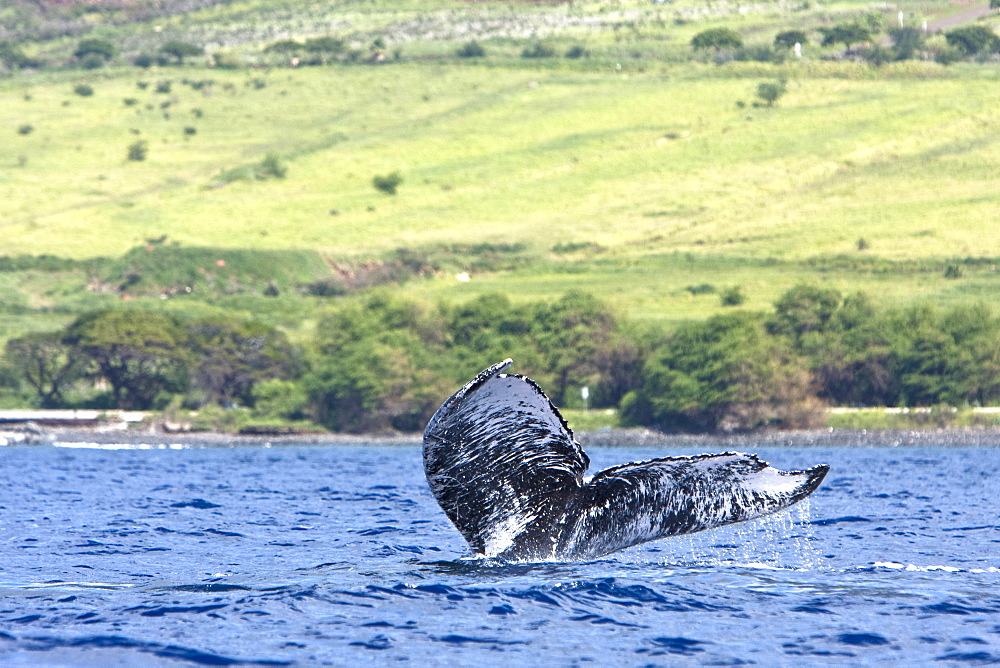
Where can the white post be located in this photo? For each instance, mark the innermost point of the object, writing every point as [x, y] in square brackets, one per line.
[900, 19]
[585, 394]
[798, 50]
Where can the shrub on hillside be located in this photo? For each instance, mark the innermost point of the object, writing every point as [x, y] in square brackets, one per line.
[98, 47]
[92, 61]
[973, 39]
[387, 183]
[789, 38]
[25, 129]
[847, 34]
[13, 57]
[770, 91]
[137, 151]
[577, 51]
[538, 50]
[271, 167]
[179, 50]
[906, 42]
[471, 49]
[732, 296]
[760, 53]
[83, 90]
[717, 38]
[226, 60]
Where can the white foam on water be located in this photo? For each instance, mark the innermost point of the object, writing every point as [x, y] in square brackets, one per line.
[89, 445]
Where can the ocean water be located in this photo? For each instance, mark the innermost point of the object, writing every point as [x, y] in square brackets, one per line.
[115, 554]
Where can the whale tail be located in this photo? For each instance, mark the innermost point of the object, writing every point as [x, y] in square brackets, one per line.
[634, 503]
[505, 468]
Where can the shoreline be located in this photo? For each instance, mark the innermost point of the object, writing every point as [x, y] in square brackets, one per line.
[108, 438]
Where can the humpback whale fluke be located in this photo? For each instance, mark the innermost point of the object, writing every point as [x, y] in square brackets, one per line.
[504, 466]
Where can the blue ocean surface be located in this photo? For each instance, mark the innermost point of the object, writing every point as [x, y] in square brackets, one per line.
[335, 553]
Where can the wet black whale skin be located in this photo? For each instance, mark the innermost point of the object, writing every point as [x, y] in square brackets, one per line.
[506, 470]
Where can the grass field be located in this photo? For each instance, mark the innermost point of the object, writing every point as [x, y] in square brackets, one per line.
[633, 173]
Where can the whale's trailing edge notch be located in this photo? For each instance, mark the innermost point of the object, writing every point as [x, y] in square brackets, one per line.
[504, 466]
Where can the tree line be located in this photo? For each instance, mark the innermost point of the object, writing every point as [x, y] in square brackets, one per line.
[382, 362]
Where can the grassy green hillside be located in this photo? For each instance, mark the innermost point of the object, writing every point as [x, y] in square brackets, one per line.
[637, 172]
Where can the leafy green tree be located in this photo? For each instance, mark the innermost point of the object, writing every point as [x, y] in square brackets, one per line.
[570, 333]
[379, 364]
[847, 34]
[46, 364]
[770, 91]
[95, 46]
[973, 39]
[804, 308]
[789, 38]
[717, 38]
[852, 358]
[724, 374]
[179, 50]
[906, 42]
[139, 353]
[233, 356]
[283, 399]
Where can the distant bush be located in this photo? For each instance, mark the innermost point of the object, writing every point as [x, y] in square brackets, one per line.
[13, 57]
[143, 60]
[789, 38]
[717, 38]
[471, 49]
[137, 151]
[83, 90]
[770, 91]
[179, 50]
[846, 33]
[226, 60]
[948, 55]
[538, 50]
[92, 61]
[906, 42]
[270, 167]
[25, 129]
[331, 286]
[573, 246]
[99, 47]
[973, 39]
[701, 289]
[163, 87]
[875, 54]
[130, 101]
[189, 130]
[387, 183]
[325, 44]
[577, 51]
[760, 53]
[732, 296]
[285, 46]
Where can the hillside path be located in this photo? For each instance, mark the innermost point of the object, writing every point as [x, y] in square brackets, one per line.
[965, 16]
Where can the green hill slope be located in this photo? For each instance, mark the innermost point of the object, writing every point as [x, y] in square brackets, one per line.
[634, 173]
